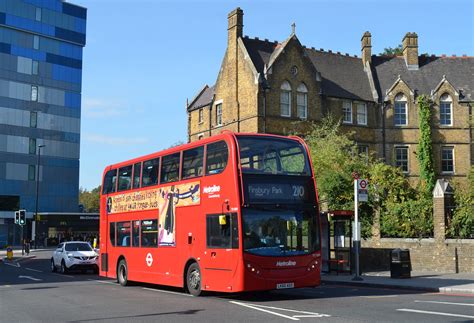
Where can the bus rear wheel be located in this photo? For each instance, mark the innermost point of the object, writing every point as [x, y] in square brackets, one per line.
[193, 280]
[122, 273]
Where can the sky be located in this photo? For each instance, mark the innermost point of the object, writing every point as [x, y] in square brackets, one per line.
[145, 58]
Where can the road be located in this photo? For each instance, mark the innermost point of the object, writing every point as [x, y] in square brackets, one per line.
[29, 292]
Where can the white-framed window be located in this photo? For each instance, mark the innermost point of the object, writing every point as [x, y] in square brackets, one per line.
[34, 93]
[400, 114]
[401, 158]
[302, 101]
[201, 115]
[346, 112]
[219, 114]
[362, 114]
[447, 159]
[285, 99]
[446, 110]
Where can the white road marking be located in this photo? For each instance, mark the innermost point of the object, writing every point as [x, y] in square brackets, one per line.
[381, 296]
[435, 313]
[13, 264]
[167, 291]
[31, 278]
[447, 303]
[266, 311]
[35, 270]
[264, 308]
[103, 281]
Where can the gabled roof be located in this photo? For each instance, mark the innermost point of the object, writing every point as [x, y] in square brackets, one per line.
[342, 76]
[203, 98]
[458, 70]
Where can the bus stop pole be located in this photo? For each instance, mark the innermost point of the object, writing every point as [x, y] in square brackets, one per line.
[356, 231]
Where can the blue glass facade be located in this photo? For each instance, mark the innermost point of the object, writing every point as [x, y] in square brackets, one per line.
[41, 43]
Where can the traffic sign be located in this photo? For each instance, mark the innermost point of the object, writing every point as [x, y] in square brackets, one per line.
[362, 189]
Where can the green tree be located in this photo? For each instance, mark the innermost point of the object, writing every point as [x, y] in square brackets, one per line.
[462, 222]
[425, 146]
[389, 51]
[335, 158]
[404, 211]
[90, 199]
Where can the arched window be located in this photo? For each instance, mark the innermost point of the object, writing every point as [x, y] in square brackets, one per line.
[446, 110]
[400, 114]
[285, 99]
[302, 101]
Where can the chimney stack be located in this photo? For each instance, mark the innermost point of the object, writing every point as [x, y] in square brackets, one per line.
[235, 27]
[410, 50]
[366, 44]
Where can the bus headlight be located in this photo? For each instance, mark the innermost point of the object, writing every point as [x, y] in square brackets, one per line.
[253, 269]
[313, 265]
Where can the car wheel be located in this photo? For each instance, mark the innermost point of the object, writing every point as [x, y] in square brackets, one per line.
[193, 280]
[63, 267]
[122, 273]
[53, 266]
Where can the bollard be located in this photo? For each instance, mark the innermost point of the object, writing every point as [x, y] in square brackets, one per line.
[9, 253]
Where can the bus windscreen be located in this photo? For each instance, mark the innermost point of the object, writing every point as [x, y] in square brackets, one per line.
[280, 232]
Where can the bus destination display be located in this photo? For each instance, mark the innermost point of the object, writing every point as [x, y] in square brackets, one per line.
[292, 192]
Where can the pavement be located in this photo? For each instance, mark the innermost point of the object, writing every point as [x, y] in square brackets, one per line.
[17, 256]
[448, 283]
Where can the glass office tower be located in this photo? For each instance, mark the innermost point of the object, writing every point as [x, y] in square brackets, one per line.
[41, 44]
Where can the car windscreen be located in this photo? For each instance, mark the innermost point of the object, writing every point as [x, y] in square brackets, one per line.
[78, 247]
[272, 155]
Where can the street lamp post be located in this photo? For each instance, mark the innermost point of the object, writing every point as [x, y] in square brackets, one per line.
[37, 194]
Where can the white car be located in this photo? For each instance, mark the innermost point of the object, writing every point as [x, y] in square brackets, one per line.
[74, 255]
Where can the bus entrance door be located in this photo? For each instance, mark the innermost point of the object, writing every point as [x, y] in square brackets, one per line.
[222, 240]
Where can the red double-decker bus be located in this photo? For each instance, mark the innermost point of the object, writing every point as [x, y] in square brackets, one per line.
[230, 213]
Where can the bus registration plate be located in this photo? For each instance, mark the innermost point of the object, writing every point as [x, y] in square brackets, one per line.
[285, 285]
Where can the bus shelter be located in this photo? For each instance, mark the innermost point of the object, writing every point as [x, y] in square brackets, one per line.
[337, 241]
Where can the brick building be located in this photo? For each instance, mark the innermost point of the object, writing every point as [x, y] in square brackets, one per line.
[281, 87]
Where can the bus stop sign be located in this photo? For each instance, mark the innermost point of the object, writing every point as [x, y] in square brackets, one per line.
[363, 190]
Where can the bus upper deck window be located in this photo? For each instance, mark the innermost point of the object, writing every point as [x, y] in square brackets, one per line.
[136, 175]
[170, 168]
[110, 180]
[150, 172]
[125, 178]
[193, 162]
[216, 157]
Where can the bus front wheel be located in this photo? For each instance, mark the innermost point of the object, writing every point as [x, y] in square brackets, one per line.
[193, 280]
[122, 273]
